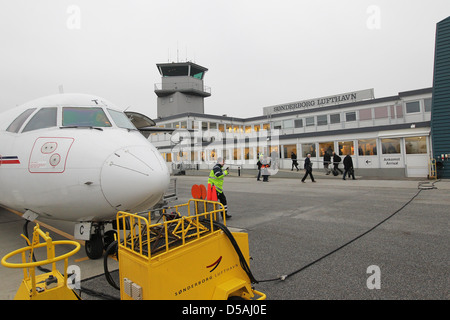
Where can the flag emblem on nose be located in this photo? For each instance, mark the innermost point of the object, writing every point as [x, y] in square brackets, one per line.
[9, 160]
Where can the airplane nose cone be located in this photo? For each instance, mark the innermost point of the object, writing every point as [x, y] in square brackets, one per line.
[134, 179]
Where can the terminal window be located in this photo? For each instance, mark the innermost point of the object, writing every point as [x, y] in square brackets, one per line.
[298, 123]
[390, 146]
[416, 145]
[310, 121]
[335, 118]
[367, 147]
[288, 124]
[413, 107]
[381, 113]
[350, 116]
[309, 148]
[322, 120]
[288, 149]
[365, 114]
[326, 147]
[346, 147]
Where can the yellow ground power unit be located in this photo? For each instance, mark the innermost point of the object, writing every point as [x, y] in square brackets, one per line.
[187, 254]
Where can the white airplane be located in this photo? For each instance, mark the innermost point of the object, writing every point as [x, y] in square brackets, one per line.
[77, 157]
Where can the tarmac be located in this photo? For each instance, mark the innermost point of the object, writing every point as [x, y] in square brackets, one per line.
[364, 239]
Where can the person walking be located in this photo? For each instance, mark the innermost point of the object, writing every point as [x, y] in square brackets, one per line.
[259, 164]
[336, 161]
[308, 168]
[216, 179]
[326, 162]
[348, 167]
[294, 161]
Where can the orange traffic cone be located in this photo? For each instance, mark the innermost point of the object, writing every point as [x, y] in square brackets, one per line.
[208, 192]
[213, 193]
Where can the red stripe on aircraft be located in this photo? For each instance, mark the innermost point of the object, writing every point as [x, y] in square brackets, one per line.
[9, 160]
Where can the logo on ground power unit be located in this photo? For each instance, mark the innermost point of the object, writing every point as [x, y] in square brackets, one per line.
[215, 264]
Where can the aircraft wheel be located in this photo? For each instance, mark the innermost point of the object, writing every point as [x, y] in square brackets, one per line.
[94, 247]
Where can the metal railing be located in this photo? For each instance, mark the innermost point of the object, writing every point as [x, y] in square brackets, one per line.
[181, 224]
[182, 86]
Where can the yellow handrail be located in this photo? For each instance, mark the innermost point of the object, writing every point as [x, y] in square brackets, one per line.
[142, 234]
[39, 263]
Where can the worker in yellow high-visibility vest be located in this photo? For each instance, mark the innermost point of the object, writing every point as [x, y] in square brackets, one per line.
[216, 178]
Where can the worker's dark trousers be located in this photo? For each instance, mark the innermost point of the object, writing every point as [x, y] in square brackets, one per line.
[223, 200]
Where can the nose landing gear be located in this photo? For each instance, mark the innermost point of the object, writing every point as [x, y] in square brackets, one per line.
[98, 241]
[94, 246]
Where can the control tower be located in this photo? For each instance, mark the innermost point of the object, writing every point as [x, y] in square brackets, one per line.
[182, 88]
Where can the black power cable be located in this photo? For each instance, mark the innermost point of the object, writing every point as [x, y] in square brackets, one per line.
[111, 250]
[246, 268]
[230, 236]
[283, 277]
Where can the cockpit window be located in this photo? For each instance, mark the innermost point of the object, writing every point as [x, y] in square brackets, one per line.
[20, 120]
[121, 120]
[44, 118]
[85, 117]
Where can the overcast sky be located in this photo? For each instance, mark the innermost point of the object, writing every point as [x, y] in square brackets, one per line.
[259, 53]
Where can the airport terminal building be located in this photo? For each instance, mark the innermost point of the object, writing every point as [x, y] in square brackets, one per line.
[387, 137]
